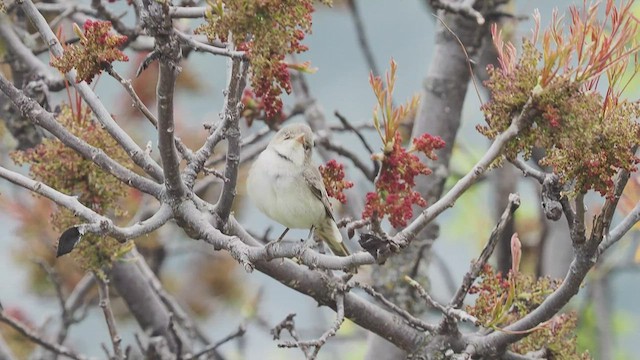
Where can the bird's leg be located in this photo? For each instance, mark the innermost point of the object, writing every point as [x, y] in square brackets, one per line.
[286, 230]
[274, 242]
[309, 241]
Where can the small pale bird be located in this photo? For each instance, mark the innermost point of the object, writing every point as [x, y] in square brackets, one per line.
[286, 185]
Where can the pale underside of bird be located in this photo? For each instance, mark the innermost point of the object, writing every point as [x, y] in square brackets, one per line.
[286, 185]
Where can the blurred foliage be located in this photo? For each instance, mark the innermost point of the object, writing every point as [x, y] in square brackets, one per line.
[267, 30]
[567, 115]
[20, 345]
[97, 49]
[60, 167]
[504, 300]
[587, 335]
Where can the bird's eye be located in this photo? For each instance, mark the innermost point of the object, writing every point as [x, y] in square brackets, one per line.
[287, 136]
[307, 147]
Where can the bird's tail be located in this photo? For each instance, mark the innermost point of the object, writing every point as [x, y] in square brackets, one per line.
[329, 233]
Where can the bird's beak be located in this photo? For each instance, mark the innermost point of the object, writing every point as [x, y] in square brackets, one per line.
[300, 139]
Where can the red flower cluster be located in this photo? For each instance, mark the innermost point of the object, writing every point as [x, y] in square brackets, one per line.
[96, 49]
[269, 88]
[254, 108]
[334, 182]
[276, 29]
[552, 115]
[394, 195]
[426, 143]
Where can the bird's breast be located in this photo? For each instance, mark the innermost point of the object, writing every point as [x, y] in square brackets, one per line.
[279, 190]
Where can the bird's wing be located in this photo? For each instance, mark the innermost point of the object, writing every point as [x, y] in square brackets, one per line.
[316, 185]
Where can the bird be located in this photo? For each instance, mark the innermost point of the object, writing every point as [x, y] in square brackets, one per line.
[287, 186]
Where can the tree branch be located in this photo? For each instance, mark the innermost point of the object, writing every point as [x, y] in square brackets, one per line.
[37, 339]
[199, 46]
[412, 320]
[98, 224]
[103, 290]
[41, 117]
[495, 150]
[139, 157]
[231, 116]
[476, 267]
[230, 112]
[317, 344]
[176, 188]
[238, 333]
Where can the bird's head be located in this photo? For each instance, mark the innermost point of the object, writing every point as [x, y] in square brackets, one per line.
[294, 142]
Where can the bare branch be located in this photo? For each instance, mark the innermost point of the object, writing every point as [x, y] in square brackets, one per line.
[621, 229]
[103, 290]
[172, 304]
[137, 102]
[528, 170]
[326, 142]
[37, 338]
[41, 117]
[231, 115]
[448, 311]
[72, 304]
[289, 324]
[348, 126]
[19, 49]
[412, 320]
[317, 344]
[168, 73]
[117, 24]
[199, 46]
[362, 36]
[476, 267]
[98, 223]
[238, 333]
[178, 12]
[136, 154]
[519, 122]
[585, 257]
[315, 284]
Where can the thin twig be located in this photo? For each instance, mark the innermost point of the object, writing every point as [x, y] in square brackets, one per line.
[179, 12]
[495, 150]
[137, 102]
[411, 320]
[289, 324]
[448, 311]
[232, 134]
[318, 343]
[55, 280]
[343, 151]
[174, 332]
[105, 304]
[230, 114]
[528, 170]
[199, 46]
[238, 333]
[348, 126]
[73, 303]
[362, 37]
[476, 267]
[132, 149]
[36, 113]
[37, 338]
